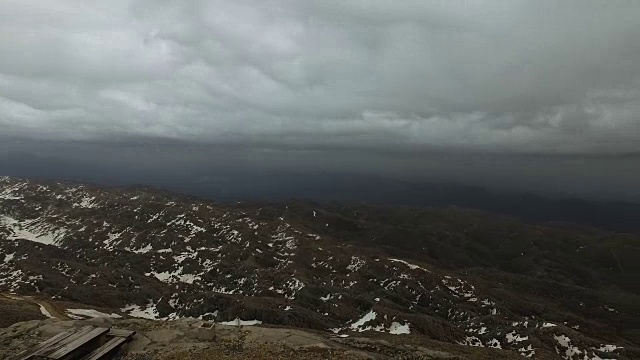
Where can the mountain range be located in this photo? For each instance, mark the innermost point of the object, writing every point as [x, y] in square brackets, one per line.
[467, 278]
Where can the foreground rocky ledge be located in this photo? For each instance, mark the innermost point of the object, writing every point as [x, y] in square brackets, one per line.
[193, 339]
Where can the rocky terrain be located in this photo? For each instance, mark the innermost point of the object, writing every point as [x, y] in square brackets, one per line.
[407, 276]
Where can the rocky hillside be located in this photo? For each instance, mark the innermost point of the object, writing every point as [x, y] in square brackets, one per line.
[450, 275]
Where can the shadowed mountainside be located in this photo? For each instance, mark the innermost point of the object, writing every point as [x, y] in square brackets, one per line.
[459, 276]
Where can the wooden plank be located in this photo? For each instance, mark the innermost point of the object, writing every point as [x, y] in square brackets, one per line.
[43, 345]
[121, 333]
[78, 342]
[105, 349]
[79, 333]
[56, 345]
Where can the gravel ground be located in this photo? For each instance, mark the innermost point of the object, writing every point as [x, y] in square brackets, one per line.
[264, 351]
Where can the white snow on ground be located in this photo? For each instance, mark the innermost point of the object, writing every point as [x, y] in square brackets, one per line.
[609, 348]
[239, 322]
[494, 343]
[326, 298]
[223, 290]
[111, 237]
[527, 351]
[155, 217]
[565, 342]
[294, 285]
[472, 341]
[144, 250]
[411, 266]
[150, 312]
[9, 257]
[31, 230]
[397, 329]
[11, 276]
[92, 313]
[4, 196]
[86, 202]
[45, 312]
[460, 288]
[548, 324]
[357, 326]
[208, 315]
[174, 276]
[512, 336]
[356, 264]
[487, 302]
[7, 194]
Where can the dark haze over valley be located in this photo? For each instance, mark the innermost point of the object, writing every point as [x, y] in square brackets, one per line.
[503, 106]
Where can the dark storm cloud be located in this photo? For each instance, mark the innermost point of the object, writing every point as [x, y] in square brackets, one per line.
[512, 76]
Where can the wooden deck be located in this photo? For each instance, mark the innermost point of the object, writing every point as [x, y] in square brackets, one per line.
[106, 349]
[120, 333]
[86, 343]
[43, 346]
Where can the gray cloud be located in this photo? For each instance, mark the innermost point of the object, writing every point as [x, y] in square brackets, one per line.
[516, 76]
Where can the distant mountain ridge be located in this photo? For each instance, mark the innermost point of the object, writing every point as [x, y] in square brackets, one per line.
[464, 277]
[229, 185]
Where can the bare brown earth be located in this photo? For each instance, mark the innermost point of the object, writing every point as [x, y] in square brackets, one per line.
[28, 303]
[13, 311]
[193, 339]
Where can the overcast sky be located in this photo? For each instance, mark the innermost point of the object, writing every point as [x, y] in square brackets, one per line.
[510, 76]
[532, 95]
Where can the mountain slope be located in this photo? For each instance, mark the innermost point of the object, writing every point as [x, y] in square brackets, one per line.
[451, 275]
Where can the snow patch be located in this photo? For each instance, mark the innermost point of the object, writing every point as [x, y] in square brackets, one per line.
[170, 277]
[398, 329]
[357, 326]
[240, 322]
[472, 341]
[512, 336]
[86, 202]
[609, 348]
[527, 351]
[31, 230]
[565, 342]
[90, 313]
[411, 266]
[144, 250]
[45, 312]
[150, 312]
[494, 343]
[356, 264]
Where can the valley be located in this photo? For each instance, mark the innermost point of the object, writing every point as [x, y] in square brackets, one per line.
[484, 285]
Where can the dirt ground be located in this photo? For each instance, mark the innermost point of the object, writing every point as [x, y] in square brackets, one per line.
[13, 311]
[194, 339]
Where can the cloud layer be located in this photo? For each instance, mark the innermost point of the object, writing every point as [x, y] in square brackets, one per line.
[516, 76]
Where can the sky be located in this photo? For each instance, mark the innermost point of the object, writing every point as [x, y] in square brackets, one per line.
[537, 94]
